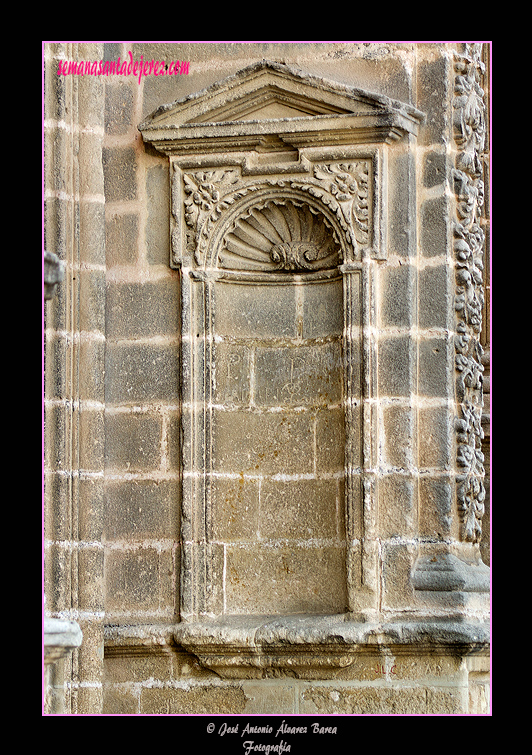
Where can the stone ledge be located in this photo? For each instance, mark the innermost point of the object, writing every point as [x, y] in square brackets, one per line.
[307, 647]
[446, 572]
[60, 638]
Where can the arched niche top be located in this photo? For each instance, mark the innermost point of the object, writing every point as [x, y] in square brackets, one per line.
[280, 235]
[271, 106]
[219, 216]
[279, 229]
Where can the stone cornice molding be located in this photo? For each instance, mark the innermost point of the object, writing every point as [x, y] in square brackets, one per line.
[273, 106]
[253, 647]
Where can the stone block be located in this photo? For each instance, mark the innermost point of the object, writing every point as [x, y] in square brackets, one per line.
[92, 231]
[396, 366]
[263, 444]
[299, 375]
[402, 669]
[89, 698]
[142, 509]
[54, 365]
[91, 496]
[193, 699]
[91, 588]
[301, 510]
[401, 207]
[133, 441]
[140, 580]
[118, 107]
[119, 169]
[397, 562]
[330, 440]
[479, 694]
[268, 579]
[277, 698]
[141, 372]
[139, 668]
[121, 239]
[433, 89]
[157, 227]
[435, 437]
[91, 354]
[57, 573]
[397, 299]
[399, 436]
[235, 509]
[323, 309]
[255, 311]
[434, 169]
[233, 373]
[435, 510]
[435, 297]
[172, 441]
[397, 506]
[55, 504]
[120, 701]
[434, 229]
[91, 88]
[436, 357]
[380, 700]
[354, 518]
[111, 51]
[89, 158]
[91, 439]
[91, 315]
[137, 310]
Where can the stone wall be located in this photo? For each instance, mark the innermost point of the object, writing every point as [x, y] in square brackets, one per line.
[283, 400]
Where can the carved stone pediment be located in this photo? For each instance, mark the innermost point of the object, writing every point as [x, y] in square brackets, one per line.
[270, 105]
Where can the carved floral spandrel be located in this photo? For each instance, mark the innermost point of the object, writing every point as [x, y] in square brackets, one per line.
[344, 188]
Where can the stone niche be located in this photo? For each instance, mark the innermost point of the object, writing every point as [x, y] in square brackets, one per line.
[278, 191]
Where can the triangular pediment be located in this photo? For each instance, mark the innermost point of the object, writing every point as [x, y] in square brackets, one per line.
[279, 97]
[269, 100]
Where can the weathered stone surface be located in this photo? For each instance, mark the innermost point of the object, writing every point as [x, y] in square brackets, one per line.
[263, 443]
[382, 701]
[295, 576]
[60, 638]
[120, 174]
[54, 272]
[141, 310]
[256, 311]
[139, 372]
[299, 376]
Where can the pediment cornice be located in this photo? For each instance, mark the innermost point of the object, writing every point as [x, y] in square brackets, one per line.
[267, 99]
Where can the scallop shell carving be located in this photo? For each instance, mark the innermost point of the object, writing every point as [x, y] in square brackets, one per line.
[280, 238]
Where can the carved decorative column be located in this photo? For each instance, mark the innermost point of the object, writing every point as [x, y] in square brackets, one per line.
[460, 571]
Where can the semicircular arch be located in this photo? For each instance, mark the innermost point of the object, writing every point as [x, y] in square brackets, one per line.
[280, 228]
